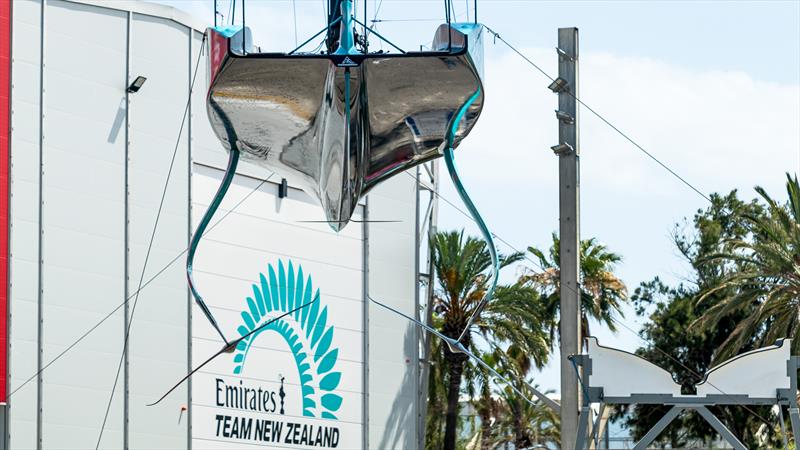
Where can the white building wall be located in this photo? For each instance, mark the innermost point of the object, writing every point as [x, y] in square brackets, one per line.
[85, 161]
[393, 340]
[24, 226]
[93, 141]
[268, 231]
[161, 51]
[83, 221]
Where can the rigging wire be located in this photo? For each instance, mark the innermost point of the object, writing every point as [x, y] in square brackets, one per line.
[152, 239]
[233, 344]
[377, 10]
[622, 324]
[687, 368]
[375, 20]
[294, 15]
[458, 347]
[602, 118]
[144, 285]
[404, 20]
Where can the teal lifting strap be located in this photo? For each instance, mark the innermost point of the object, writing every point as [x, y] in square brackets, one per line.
[230, 171]
[462, 192]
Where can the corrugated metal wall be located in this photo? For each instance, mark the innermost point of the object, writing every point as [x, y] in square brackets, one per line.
[88, 165]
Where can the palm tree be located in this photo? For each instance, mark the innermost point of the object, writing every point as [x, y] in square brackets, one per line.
[602, 292]
[487, 407]
[525, 425]
[514, 315]
[508, 418]
[765, 280]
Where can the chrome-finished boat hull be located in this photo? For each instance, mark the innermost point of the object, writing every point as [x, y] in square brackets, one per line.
[341, 124]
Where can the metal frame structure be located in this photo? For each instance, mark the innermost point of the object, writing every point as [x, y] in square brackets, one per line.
[427, 182]
[681, 403]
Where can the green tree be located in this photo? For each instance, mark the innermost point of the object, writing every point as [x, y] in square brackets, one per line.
[688, 352]
[520, 423]
[526, 425]
[513, 316]
[602, 292]
[765, 280]
[506, 417]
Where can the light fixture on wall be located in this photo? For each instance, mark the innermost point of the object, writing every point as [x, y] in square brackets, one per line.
[137, 84]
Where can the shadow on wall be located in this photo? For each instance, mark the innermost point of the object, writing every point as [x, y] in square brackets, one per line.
[402, 418]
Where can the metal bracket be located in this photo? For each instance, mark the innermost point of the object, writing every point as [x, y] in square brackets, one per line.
[565, 118]
[283, 189]
[564, 55]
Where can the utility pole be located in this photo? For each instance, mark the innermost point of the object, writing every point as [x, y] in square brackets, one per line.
[568, 152]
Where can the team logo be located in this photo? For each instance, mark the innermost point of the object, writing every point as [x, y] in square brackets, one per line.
[347, 62]
[305, 332]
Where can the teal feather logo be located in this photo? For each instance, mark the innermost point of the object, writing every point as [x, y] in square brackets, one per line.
[308, 335]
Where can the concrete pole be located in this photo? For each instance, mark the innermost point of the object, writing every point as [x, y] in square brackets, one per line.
[568, 152]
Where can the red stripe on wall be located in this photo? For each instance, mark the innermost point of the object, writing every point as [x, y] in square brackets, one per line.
[5, 91]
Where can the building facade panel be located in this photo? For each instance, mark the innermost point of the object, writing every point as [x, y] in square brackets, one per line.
[88, 166]
[158, 152]
[93, 250]
[24, 225]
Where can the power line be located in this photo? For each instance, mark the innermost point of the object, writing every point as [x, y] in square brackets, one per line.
[603, 119]
[652, 157]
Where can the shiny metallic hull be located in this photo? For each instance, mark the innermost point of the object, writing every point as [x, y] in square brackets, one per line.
[342, 126]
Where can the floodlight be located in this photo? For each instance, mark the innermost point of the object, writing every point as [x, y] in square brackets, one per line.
[564, 117]
[137, 84]
[562, 149]
[558, 85]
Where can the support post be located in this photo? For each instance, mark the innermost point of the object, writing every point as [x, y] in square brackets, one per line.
[659, 427]
[794, 416]
[583, 428]
[568, 152]
[432, 169]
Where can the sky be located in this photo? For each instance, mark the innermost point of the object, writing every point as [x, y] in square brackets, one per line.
[711, 88]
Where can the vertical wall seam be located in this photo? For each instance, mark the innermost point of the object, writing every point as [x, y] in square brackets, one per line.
[416, 283]
[40, 296]
[188, 242]
[126, 244]
[365, 325]
[6, 437]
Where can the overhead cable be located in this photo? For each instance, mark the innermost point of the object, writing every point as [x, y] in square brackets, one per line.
[603, 119]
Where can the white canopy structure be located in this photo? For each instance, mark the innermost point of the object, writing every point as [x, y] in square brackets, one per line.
[765, 376]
